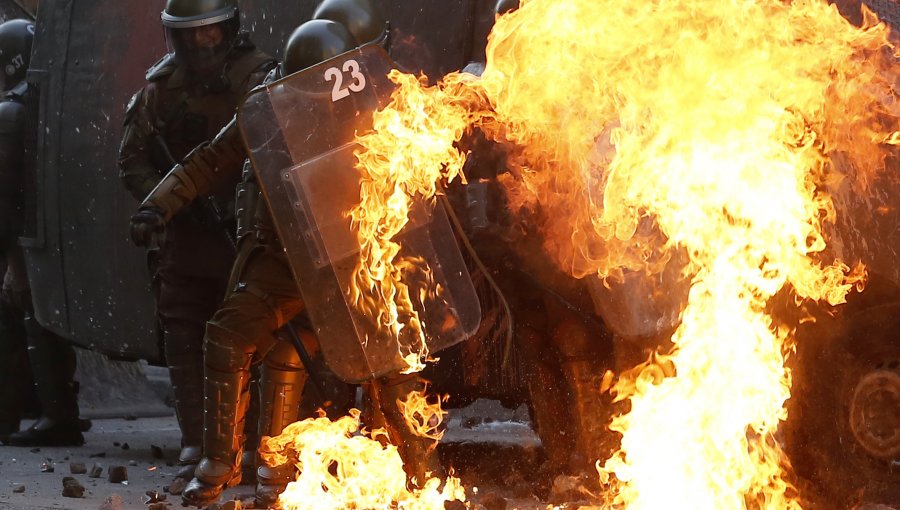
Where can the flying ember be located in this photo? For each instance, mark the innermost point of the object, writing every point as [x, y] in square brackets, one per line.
[643, 134]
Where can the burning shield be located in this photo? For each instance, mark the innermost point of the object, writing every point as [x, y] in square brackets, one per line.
[300, 132]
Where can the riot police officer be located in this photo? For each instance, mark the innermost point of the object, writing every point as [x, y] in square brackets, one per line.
[190, 94]
[52, 360]
[565, 349]
[263, 296]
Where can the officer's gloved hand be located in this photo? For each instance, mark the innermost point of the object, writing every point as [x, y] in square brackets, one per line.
[145, 224]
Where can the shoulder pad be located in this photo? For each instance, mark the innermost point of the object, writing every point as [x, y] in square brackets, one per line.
[163, 68]
[247, 63]
[273, 76]
[243, 42]
[12, 116]
[133, 106]
[18, 92]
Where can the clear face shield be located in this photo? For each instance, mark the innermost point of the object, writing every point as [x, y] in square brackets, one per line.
[203, 48]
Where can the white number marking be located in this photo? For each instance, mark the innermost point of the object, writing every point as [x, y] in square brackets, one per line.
[334, 74]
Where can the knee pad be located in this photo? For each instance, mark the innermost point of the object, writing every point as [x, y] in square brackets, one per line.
[283, 356]
[226, 351]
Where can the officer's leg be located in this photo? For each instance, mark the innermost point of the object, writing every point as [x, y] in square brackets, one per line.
[583, 362]
[53, 367]
[15, 373]
[420, 459]
[547, 400]
[281, 383]
[184, 305]
[227, 373]
[245, 324]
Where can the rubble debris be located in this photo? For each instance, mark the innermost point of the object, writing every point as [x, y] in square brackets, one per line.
[118, 474]
[46, 467]
[158, 506]
[152, 496]
[231, 505]
[77, 468]
[96, 471]
[125, 446]
[18, 489]
[113, 502]
[132, 463]
[156, 452]
[176, 487]
[72, 488]
[117, 444]
[35, 450]
[96, 455]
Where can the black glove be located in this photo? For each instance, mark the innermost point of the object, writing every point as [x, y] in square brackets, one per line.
[145, 224]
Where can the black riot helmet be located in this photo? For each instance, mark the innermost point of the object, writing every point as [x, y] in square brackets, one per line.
[201, 32]
[504, 6]
[313, 42]
[16, 37]
[363, 18]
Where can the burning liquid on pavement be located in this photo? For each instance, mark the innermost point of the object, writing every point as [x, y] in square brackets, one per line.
[343, 468]
[638, 129]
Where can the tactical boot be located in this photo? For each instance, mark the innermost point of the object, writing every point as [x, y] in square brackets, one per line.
[188, 389]
[53, 367]
[590, 413]
[223, 426]
[420, 459]
[48, 432]
[281, 390]
[15, 374]
[188, 458]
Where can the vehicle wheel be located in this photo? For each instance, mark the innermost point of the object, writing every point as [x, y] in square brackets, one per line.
[843, 429]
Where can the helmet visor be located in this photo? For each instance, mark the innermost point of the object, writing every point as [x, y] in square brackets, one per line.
[204, 47]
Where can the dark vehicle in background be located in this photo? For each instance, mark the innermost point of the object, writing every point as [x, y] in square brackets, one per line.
[92, 287]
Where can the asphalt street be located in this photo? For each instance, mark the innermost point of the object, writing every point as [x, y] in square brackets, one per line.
[479, 439]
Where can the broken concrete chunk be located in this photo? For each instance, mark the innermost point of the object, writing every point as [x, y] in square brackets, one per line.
[177, 486]
[77, 468]
[72, 488]
[46, 467]
[19, 489]
[231, 505]
[118, 474]
[96, 471]
[113, 502]
[156, 452]
[153, 497]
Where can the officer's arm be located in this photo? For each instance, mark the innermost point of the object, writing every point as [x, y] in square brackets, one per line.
[136, 169]
[205, 167]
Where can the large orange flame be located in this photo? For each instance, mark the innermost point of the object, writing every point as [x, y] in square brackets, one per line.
[342, 468]
[715, 122]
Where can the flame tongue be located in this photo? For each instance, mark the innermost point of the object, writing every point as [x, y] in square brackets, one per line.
[341, 469]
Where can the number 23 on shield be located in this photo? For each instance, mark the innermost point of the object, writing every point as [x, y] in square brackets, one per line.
[339, 91]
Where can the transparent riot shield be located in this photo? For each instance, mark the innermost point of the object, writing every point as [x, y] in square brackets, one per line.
[300, 132]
